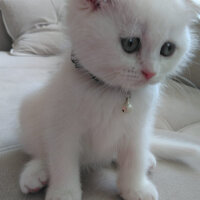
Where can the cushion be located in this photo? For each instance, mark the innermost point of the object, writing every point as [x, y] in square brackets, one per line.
[31, 24]
[179, 107]
[174, 181]
[19, 77]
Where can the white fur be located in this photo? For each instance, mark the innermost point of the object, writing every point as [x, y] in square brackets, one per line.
[34, 177]
[75, 121]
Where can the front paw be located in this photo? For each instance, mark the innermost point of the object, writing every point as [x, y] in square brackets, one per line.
[63, 194]
[146, 191]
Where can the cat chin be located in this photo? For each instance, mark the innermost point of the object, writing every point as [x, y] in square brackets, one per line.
[127, 86]
[142, 84]
[154, 81]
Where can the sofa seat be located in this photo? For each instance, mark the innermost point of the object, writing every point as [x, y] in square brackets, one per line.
[19, 76]
[173, 180]
[178, 117]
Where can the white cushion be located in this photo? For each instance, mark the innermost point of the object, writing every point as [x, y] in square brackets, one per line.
[193, 130]
[23, 15]
[49, 41]
[179, 107]
[19, 77]
[31, 23]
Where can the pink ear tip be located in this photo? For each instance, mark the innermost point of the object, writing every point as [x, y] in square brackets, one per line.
[147, 74]
[95, 4]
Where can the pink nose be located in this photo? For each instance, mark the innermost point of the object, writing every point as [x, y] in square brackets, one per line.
[147, 74]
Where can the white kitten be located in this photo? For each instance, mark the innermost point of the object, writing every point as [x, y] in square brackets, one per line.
[122, 50]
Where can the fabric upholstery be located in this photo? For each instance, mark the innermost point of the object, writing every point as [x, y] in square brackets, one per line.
[179, 107]
[174, 181]
[19, 77]
[23, 15]
[34, 26]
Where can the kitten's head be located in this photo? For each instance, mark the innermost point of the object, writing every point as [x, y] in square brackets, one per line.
[131, 43]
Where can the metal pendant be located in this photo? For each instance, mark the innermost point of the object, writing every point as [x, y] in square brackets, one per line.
[127, 107]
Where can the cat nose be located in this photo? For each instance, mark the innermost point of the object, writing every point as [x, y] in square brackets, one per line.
[147, 74]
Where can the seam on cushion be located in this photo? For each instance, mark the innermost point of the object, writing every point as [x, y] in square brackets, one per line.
[9, 148]
[189, 126]
[165, 122]
[6, 26]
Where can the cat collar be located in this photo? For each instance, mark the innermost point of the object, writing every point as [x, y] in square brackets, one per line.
[127, 106]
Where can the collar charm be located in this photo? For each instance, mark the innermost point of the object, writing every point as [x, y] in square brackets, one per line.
[127, 107]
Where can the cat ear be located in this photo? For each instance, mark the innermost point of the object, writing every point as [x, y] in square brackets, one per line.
[97, 4]
[94, 3]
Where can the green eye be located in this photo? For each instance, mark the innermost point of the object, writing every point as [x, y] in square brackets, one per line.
[168, 49]
[131, 45]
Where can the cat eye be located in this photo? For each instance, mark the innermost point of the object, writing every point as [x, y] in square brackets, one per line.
[130, 45]
[168, 49]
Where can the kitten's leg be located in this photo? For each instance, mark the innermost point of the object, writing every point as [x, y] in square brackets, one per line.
[133, 161]
[34, 177]
[151, 165]
[64, 168]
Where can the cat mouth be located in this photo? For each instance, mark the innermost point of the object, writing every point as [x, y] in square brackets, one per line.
[132, 78]
[132, 81]
[138, 84]
[128, 84]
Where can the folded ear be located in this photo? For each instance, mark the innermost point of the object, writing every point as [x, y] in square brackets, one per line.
[96, 4]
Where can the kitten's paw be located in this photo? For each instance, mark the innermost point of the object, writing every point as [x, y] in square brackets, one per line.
[146, 192]
[151, 163]
[34, 177]
[63, 194]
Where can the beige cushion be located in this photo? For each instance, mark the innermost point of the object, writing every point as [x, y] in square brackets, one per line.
[174, 181]
[179, 107]
[19, 76]
[23, 15]
[34, 26]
